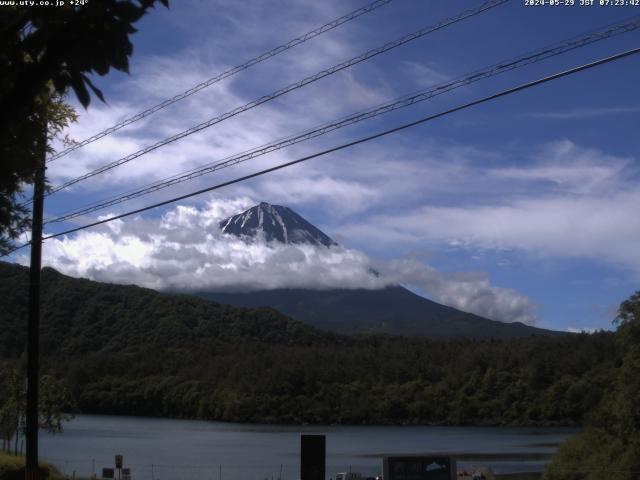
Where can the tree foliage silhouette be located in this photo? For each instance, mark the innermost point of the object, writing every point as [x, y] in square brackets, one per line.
[45, 53]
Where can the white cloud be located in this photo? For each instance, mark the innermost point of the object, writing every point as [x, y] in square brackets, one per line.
[425, 75]
[560, 201]
[602, 229]
[158, 78]
[185, 249]
[569, 168]
[584, 113]
[343, 197]
[360, 95]
[571, 329]
[467, 291]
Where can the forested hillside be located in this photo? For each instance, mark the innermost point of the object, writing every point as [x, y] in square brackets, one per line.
[609, 446]
[393, 310]
[366, 381]
[129, 350]
[80, 316]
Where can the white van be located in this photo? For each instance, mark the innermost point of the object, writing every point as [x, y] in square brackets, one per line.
[349, 476]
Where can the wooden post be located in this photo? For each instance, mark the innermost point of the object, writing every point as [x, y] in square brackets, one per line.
[312, 457]
[33, 322]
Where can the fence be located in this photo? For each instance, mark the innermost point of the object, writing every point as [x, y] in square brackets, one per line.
[150, 471]
[225, 471]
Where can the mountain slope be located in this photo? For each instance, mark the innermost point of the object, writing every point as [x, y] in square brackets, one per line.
[80, 316]
[276, 223]
[132, 351]
[392, 310]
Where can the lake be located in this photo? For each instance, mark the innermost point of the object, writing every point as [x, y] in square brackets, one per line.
[167, 449]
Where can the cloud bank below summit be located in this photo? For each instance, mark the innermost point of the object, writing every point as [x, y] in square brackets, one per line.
[186, 250]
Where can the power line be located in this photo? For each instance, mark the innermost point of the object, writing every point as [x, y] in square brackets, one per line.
[294, 86]
[405, 101]
[489, 98]
[228, 73]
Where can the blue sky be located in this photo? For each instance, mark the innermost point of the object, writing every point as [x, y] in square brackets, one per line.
[520, 209]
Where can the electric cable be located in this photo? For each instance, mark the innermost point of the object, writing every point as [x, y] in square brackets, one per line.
[404, 101]
[343, 146]
[294, 86]
[226, 74]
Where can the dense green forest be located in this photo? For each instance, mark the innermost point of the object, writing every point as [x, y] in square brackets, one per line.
[393, 310]
[367, 380]
[129, 350]
[609, 446]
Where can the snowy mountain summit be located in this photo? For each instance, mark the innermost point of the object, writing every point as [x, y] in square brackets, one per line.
[276, 223]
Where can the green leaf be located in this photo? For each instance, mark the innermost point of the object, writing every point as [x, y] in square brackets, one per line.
[80, 89]
[93, 88]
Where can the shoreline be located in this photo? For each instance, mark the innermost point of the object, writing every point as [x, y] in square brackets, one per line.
[269, 422]
[520, 476]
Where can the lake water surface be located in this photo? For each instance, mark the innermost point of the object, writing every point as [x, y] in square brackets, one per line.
[166, 449]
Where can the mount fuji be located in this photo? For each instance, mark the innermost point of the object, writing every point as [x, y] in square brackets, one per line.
[276, 223]
[391, 310]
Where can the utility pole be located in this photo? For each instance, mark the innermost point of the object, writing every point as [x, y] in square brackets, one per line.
[33, 325]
